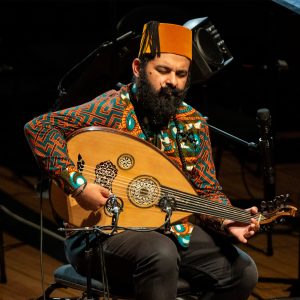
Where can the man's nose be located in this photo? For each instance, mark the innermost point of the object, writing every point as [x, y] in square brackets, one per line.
[172, 80]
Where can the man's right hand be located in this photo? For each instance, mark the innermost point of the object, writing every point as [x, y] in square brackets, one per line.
[93, 197]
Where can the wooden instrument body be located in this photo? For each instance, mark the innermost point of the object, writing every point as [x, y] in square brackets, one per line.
[145, 165]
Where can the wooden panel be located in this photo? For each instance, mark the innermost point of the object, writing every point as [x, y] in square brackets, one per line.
[24, 273]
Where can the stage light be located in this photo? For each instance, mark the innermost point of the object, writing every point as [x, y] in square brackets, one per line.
[210, 53]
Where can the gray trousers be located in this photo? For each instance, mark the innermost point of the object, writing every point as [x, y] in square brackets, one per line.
[150, 263]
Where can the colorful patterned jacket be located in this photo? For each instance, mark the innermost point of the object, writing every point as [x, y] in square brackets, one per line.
[47, 136]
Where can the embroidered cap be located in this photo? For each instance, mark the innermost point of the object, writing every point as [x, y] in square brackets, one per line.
[160, 38]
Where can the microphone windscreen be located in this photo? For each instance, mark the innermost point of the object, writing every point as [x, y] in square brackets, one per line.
[263, 114]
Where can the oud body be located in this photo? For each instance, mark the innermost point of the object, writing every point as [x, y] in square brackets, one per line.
[132, 169]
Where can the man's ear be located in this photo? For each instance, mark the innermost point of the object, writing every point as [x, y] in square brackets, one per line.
[136, 67]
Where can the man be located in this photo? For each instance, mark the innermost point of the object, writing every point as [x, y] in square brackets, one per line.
[152, 108]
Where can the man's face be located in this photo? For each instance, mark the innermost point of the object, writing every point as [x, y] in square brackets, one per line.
[162, 85]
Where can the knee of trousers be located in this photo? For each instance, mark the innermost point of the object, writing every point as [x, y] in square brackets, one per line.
[162, 254]
[249, 276]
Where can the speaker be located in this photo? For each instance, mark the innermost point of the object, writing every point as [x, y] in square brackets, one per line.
[210, 53]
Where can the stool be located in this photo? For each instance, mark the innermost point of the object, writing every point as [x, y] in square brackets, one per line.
[66, 276]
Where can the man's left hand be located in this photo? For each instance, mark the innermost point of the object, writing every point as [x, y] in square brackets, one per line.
[242, 231]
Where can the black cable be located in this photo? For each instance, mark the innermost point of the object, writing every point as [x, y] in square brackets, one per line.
[61, 88]
[103, 269]
[102, 229]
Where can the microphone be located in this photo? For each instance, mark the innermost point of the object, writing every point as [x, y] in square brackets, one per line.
[266, 151]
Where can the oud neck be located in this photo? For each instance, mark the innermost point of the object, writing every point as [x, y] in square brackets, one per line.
[195, 204]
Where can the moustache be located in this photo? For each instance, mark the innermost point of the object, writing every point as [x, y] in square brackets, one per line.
[170, 91]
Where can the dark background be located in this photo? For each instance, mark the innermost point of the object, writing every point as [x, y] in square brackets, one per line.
[41, 40]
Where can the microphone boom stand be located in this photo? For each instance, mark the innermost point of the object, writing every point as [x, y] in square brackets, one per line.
[251, 145]
[269, 186]
[269, 193]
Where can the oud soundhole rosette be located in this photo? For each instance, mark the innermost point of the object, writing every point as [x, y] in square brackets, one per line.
[125, 161]
[144, 191]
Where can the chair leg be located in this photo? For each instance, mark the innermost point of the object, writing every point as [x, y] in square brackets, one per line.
[50, 289]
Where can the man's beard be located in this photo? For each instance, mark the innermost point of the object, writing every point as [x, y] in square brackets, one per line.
[158, 106]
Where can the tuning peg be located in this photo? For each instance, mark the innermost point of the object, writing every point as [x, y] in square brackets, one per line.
[271, 205]
[279, 202]
[263, 205]
[286, 198]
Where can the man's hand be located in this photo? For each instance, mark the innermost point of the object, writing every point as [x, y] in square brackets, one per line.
[93, 197]
[243, 231]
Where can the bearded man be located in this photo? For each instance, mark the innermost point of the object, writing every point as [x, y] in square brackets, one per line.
[152, 108]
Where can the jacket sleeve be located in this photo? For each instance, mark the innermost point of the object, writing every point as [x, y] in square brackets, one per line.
[203, 177]
[47, 136]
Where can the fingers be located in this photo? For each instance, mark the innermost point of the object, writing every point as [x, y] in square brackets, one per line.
[252, 228]
[104, 192]
[93, 197]
[255, 224]
[253, 210]
[249, 232]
